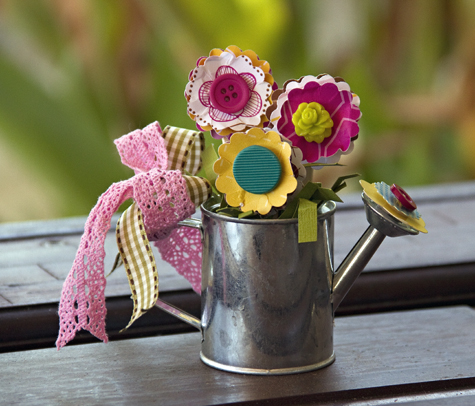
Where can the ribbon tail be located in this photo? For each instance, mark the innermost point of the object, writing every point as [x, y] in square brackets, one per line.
[82, 304]
[183, 250]
[139, 261]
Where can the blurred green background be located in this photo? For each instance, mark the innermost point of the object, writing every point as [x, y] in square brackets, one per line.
[76, 74]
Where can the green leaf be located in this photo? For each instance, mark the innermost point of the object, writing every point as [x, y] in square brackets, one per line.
[306, 193]
[246, 214]
[340, 182]
[325, 194]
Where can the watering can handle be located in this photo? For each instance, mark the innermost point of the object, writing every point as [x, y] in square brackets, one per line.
[182, 315]
[173, 310]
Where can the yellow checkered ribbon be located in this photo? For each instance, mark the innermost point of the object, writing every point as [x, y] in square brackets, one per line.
[137, 256]
[184, 148]
[199, 189]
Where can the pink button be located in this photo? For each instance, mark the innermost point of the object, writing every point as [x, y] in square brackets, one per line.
[403, 197]
[229, 93]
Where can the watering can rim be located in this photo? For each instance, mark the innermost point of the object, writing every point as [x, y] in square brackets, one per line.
[324, 211]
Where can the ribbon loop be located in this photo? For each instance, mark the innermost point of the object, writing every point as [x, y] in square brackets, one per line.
[162, 196]
[143, 150]
[199, 189]
[184, 149]
[82, 304]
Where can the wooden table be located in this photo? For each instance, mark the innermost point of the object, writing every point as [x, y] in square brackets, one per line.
[405, 334]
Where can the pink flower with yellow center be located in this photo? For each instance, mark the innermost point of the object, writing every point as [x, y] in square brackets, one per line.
[317, 114]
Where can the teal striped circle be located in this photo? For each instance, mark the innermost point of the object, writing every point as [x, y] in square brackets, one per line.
[257, 169]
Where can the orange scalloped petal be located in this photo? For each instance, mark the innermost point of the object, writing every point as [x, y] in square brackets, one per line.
[236, 198]
[215, 52]
[269, 79]
[234, 49]
[259, 203]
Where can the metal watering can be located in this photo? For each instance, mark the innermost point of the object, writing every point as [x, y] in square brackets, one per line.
[268, 302]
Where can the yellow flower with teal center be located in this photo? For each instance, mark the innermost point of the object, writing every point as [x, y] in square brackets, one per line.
[254, 171]
[313, 122]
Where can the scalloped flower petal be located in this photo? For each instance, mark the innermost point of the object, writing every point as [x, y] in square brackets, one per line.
[235, 194]
[335, 96]
[232, 61]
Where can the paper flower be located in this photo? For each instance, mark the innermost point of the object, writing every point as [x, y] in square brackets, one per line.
[381, 194]
[317, 114]
[254, 171]
[398, 201]
[299, 170]
[229, 91]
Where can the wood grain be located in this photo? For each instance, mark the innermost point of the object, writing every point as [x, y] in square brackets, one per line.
[32, 268]
[378, 356]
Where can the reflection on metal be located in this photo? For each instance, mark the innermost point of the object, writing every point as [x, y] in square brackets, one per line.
[182, 315]
[267, 301]
[382, 225]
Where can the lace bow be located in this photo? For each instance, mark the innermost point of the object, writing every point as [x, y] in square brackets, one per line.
[163, 195]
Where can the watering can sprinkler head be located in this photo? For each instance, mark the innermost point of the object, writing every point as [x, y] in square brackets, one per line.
[382, 224]
[383, 221]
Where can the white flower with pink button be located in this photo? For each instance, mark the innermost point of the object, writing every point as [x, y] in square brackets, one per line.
[229, 91]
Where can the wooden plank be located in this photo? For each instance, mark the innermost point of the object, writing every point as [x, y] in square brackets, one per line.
[450, 240]
[32, 327]
[30, 274]
[4, 302]
[20, 326]
[457, 398]
[43, 228]
[447, 209]
[410, 289]
[50, 292]
[33, 270]
[389, 355]
[75, 225]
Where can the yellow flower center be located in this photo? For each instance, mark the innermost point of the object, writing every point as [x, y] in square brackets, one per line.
[313, 122]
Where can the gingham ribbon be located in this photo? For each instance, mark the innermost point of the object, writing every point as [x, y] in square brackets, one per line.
[184, 148]
[198, 191]
[139, 262]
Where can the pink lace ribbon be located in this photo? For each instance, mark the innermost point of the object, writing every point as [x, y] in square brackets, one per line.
[183, 250]
[161, 194]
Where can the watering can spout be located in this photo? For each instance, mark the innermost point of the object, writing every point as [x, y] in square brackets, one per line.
[382, 224]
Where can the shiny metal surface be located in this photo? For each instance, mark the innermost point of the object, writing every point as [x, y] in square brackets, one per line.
[182, 315]
[191, 222]
[260, 371]
[382, 225]
[265, 297]
[267, 302]
[354, 263]
[383, 221]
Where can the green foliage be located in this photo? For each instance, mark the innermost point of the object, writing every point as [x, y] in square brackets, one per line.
[76, 75]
